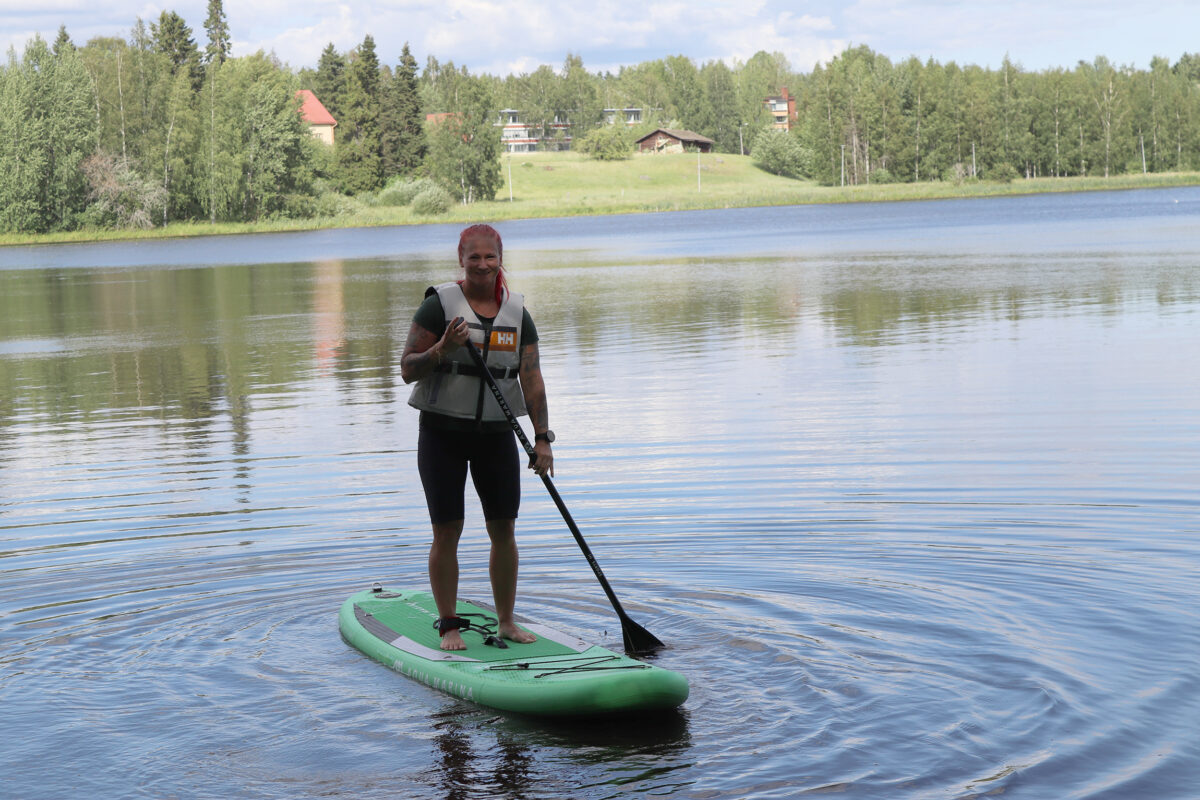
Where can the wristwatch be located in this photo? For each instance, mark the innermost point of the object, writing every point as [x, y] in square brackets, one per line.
[548, 436]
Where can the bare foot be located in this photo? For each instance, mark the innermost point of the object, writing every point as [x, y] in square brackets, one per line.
[513, 633]
[452, 640]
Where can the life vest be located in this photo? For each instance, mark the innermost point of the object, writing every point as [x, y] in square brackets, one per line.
[456, 387]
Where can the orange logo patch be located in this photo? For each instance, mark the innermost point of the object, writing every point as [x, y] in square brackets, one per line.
[504, 340]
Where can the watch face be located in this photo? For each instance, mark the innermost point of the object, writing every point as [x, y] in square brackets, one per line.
[548, 436]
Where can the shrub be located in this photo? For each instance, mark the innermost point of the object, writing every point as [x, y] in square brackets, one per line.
[1002, 173]
[402, 191]
[883, 175]
[780, 153]
[607, 143]
[432, 201]
[335, 204]
[120, 198]
[298, 206]
[956, 173]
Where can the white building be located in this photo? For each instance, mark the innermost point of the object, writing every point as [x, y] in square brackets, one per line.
[519, 137]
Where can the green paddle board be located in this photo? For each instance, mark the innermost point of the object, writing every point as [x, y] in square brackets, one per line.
[558, 675]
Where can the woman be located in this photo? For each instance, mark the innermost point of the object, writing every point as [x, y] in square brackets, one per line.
[462, 424]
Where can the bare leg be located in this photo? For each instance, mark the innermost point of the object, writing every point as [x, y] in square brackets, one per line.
[443, 576]
[502, 567]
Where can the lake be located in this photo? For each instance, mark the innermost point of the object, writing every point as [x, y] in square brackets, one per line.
[909, 490]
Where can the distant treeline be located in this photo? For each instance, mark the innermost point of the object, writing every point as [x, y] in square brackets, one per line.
[143, 130]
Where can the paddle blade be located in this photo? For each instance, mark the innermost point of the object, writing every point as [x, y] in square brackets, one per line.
[638, 640]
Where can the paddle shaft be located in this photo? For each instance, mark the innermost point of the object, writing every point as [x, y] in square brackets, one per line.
[637, 639]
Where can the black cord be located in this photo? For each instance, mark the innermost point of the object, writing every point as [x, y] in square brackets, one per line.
[487, 629]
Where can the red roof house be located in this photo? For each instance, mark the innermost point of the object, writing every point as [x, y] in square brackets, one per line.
[321, 122]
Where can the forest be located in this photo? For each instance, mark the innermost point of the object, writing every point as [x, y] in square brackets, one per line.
[152, 128]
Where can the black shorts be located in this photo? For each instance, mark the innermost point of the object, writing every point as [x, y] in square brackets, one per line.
[443, 457]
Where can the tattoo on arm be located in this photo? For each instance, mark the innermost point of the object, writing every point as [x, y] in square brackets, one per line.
[531, 361]
[418, 359]
[534, 387]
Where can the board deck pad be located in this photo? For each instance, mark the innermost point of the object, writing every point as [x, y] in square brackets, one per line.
[558, 675]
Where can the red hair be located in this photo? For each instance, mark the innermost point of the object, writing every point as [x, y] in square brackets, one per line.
[486, 230]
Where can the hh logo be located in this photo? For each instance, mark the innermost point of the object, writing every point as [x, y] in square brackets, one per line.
[504, 340]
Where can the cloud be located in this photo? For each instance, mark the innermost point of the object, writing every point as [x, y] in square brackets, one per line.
[300, 46]
[804, 40]
[1033, 33]
[503, 37]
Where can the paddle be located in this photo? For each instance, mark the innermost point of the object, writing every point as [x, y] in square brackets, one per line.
[637, 638]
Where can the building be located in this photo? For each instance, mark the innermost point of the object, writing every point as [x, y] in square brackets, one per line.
[630, 116]
[783, 110]
[320, 122]
[665, 140]
[519, 137]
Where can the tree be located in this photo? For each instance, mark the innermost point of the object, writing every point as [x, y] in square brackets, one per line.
[645, 86]
[177, 153]
[120, 198]
[217, 28]
[579, 98]
[149, 77]
[464, 147]
[440, 85]
[358, 145]
[272, 137]
[63, 41]
[1184, 114]
[263, 153]
[215, 53]
[540, 98]
[1188, 66]
[1108, 92]
[330, 83]
[173, 38]
[821, 126]
[1050, 123]
[110, 67]
[47, 127]
[607, 143]
[780, 153]
[764, 75]
[402, 138]
[720, 121]
[686, 106]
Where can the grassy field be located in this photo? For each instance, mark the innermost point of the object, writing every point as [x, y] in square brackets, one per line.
[568, 184]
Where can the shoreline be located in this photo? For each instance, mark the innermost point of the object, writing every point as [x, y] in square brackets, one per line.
[589, 188]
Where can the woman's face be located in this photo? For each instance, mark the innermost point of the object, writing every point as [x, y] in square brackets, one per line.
[480, 260]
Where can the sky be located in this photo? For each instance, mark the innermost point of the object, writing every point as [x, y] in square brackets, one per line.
[502, 37]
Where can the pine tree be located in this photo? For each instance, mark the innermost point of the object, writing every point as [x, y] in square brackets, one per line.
[330, 83]
[402, 135]
[62, 42]
[358, 144]
[173, 38]
[215, 54]
[217, 28]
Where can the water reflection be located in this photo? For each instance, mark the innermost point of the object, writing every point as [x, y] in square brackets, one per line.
[477, 756]
[202, 343]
